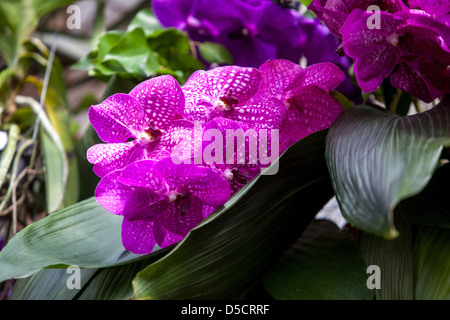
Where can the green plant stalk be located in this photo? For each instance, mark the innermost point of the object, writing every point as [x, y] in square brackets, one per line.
[8, 153]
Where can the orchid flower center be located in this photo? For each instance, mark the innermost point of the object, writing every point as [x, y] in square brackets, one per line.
[150, 134]
[183, 200]
[237, 174]
[393, 39]
[226, 101]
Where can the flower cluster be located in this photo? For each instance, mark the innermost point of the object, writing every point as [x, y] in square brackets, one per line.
[256, 31]
[410, 44]
[174, 154]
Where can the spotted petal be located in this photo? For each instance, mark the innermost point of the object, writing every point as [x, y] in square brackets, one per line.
[179, 220]
[118, 118]
[108, 157]
[311, 109]
[137, 236]
[269, 113]
[144, 174]
[162, 100]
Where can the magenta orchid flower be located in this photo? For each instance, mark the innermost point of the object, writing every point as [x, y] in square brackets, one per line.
[305, 92]
[160, 201]
[334, 13]
[411, 47]
[150, 115]
[228, 92]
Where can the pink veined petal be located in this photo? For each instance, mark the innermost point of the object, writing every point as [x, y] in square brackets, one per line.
[196, 90]
[111, 194]
[241, 82]
[268, 113]
[279, 76]
[137, 236]
[144, 174]
[163, 237]
[311, 110]
[212, 189]
[162, 100]
[118, 118]
[324, 75]
[108, 157]
[179, 220]
[144, 205]
[177, 175]
[375, 66]
[409, 81]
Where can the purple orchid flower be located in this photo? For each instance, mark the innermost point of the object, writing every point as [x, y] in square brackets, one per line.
[228, 92]
[334, 13]
[305, 92]
[411, 47]
[160, 201]
[151, 115]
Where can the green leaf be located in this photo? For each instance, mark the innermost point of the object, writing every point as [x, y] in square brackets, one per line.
[215, 53]
[49, 284]
[83, 234]
[324, 264]
[431, 255]
[129, 54]
[228, 253]
[146, 20]
[430, 207]
[394, 258]
[113, 283]
[377, 158]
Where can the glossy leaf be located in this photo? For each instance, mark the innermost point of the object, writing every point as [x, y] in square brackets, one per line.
[394, 260]
[431, 256]
[324, 264]
[84, 234]
[377, 158]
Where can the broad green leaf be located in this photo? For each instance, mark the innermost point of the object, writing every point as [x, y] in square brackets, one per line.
[431, 256]
[113, 283]
[215, 53]
[129, 54]
[55, 184]
[430, 207]
[226, 255]
[394, 259]
[377, 158]
[49, 284]
[83, 234]
[324, 264]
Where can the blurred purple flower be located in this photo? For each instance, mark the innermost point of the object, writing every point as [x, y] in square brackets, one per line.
[160, 201]
[334, 12]
[411, 47]
[151, 115]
